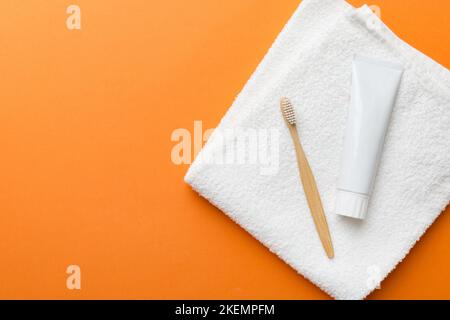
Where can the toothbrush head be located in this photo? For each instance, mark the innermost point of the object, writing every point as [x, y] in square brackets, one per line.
[288, 111]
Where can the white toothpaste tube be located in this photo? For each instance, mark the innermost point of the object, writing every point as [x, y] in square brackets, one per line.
[374, 89]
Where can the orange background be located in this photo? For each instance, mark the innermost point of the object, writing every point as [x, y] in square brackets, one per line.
[86, 176]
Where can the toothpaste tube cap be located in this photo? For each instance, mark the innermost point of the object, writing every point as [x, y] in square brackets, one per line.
[351, 204]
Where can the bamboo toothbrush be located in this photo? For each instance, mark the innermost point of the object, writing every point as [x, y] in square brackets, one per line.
[309, 184]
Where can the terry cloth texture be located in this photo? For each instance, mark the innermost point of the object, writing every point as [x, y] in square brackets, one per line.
[310, 63]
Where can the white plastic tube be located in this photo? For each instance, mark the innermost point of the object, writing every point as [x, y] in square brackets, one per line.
[374, 89]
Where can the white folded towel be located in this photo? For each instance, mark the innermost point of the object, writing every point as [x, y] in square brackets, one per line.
[310, 62]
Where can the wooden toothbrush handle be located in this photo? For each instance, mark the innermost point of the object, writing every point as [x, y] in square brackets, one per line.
[312, 194]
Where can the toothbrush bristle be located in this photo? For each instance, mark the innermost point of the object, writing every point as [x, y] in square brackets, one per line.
[288, 111]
